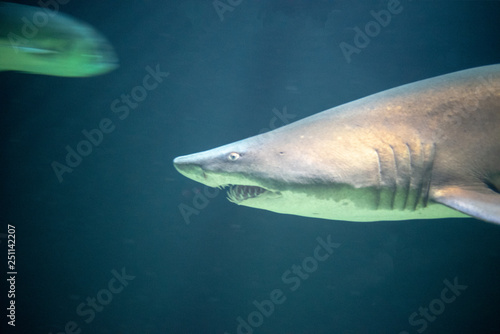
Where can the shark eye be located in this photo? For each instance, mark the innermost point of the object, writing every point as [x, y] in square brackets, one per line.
[233, 156]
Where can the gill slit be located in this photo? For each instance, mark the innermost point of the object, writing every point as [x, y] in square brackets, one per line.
[427, 176]
[379, 186]
[407, 186]
[396, 178]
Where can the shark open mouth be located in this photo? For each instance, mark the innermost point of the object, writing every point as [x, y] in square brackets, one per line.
[239, 193]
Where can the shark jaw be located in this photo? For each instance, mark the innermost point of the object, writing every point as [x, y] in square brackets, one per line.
[239, 193]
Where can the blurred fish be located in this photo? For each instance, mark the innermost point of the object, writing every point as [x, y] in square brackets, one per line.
[37, 40]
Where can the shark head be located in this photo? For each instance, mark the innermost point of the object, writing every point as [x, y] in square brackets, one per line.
[239, 167]
[289, 170]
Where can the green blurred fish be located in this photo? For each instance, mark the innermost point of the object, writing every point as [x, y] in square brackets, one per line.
[37, 40]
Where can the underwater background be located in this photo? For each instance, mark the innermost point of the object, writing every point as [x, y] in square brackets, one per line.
[125, 244]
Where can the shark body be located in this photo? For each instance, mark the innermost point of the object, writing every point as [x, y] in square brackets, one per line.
[429, 149]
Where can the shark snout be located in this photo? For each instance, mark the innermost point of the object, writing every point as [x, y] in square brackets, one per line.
[194, 166]
[189, 166]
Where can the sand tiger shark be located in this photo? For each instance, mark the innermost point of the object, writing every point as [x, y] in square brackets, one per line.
[425, 150]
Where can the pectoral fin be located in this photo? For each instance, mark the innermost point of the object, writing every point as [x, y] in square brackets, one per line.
[479, 202]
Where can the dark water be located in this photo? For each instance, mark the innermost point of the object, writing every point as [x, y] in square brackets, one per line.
[117, 214]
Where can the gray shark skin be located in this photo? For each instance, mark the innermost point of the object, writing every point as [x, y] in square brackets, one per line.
[425, 150]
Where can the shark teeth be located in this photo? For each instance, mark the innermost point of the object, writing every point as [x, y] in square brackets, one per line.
[239, 193]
